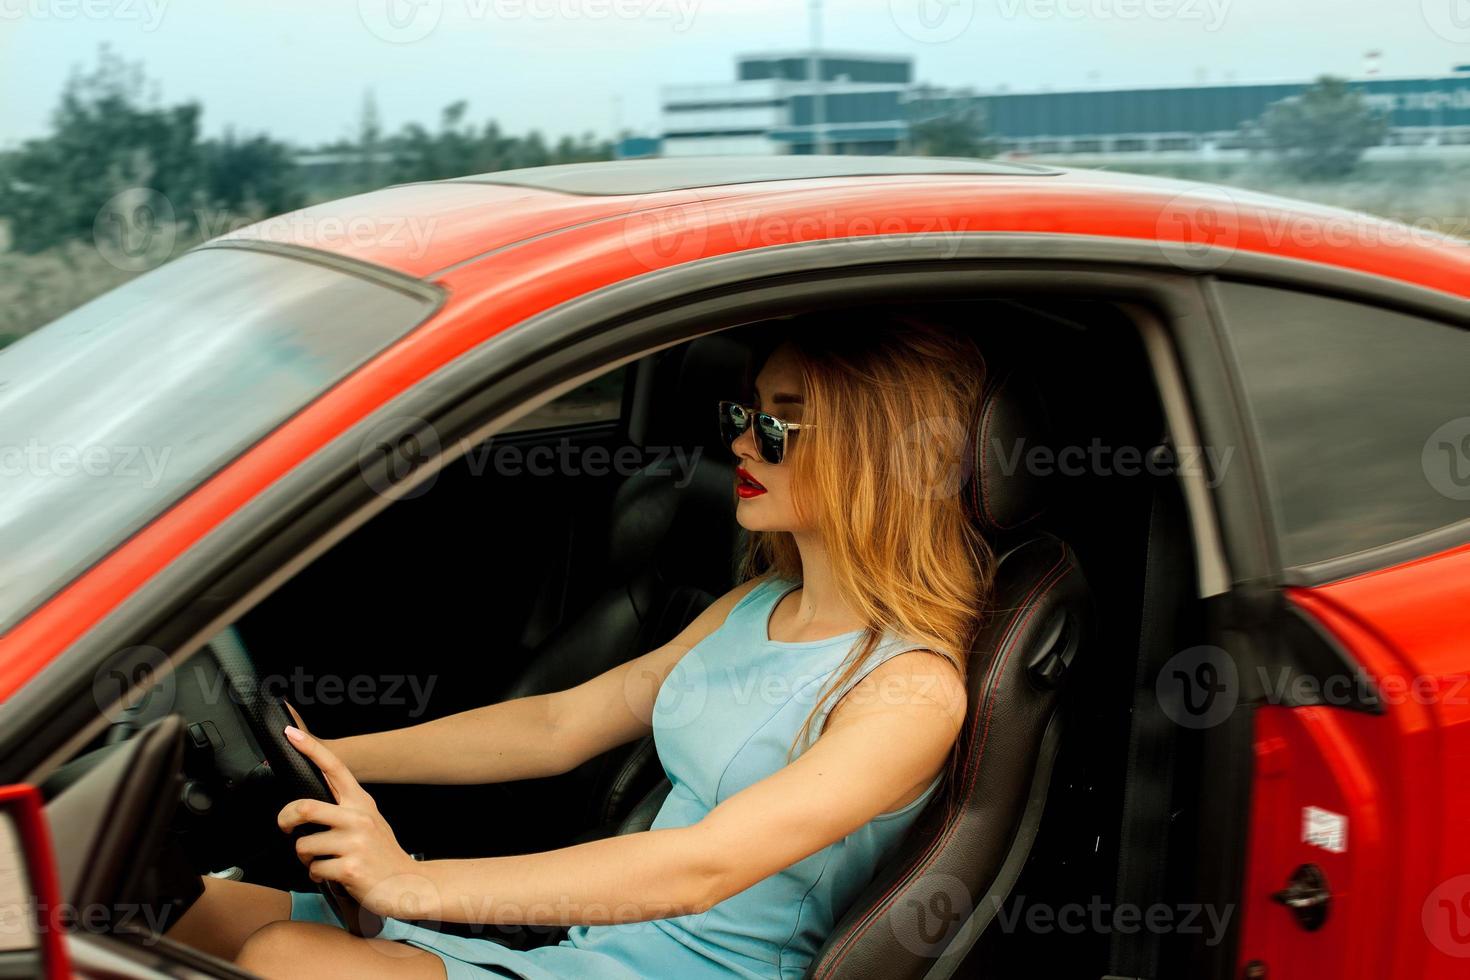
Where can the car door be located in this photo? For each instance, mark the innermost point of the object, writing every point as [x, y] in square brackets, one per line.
[1355, 660]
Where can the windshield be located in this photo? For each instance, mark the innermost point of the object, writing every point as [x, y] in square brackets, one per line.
[115, 411]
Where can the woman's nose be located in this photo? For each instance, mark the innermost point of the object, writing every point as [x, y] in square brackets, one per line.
[744, 444]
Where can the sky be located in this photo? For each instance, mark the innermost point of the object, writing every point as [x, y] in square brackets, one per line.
[299, 69]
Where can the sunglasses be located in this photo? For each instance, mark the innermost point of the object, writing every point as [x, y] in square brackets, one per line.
[771, 433]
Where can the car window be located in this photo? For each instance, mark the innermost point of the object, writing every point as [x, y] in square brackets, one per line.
[598, 400]
[1363, 416]
[115, 411]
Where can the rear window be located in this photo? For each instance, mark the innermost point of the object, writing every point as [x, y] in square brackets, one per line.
[1363, 416]
[115, 411]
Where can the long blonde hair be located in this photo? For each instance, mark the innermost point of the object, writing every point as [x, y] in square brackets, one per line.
[880, 478]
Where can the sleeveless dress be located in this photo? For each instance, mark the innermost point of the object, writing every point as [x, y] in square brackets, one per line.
[723, 719]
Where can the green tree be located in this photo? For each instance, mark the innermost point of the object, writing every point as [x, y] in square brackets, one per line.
[110, 135]
[1322, 133]
[946, 124]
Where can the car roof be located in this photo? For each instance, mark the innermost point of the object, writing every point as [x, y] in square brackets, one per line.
[430, 229]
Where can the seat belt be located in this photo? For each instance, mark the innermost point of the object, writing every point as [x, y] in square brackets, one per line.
[1148, 790]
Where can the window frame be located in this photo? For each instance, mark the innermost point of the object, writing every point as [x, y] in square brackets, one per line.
[1369, 293]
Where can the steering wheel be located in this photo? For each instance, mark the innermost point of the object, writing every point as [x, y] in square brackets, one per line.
[268, 719]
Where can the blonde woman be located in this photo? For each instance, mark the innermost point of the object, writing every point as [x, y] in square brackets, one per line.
[804, 719]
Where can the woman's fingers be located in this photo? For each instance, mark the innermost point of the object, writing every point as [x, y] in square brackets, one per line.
[328, 843]
[299, 812]
[325, 869]
[339, 778]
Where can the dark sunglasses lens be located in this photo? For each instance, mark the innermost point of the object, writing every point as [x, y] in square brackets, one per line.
[733, 420]
[771, 435]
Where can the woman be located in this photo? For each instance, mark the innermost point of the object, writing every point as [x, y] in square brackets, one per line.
[804, 718]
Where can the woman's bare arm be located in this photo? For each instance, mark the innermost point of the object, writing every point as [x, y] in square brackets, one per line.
[542, 735]
[881, 745]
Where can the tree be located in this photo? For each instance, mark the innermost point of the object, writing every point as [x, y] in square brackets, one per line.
[369, 143]
[947, 124]
[1322, 133]
[110, 136]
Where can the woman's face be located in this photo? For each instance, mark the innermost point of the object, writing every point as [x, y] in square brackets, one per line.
[779, 391]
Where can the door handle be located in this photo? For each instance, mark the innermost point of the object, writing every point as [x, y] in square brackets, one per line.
[1307, 896]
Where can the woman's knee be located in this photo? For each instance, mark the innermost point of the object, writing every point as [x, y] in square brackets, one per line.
[280, 949]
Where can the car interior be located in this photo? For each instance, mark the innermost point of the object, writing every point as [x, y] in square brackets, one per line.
[511, 574]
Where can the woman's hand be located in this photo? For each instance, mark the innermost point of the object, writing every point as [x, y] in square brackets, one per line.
[357, 848]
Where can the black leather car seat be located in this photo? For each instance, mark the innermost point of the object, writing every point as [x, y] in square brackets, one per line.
[671, 547]
[924, 907]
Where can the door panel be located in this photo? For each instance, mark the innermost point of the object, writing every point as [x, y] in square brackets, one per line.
[1400, 881]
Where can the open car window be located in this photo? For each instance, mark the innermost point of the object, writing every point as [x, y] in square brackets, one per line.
[115, 411]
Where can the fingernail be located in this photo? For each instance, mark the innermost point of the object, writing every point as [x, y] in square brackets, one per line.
[294, 734]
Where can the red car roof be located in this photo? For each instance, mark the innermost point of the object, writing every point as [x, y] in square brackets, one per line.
[429, 230]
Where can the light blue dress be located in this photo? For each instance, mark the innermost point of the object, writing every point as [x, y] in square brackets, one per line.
[723, 719]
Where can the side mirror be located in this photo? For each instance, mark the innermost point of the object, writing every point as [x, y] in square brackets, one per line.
[31, 938]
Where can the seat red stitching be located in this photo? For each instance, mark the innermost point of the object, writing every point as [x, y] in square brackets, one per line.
[931, 853]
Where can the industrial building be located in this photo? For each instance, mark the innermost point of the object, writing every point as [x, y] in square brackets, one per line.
[867, 103]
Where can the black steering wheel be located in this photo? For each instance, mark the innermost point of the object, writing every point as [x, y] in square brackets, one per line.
[301, 778]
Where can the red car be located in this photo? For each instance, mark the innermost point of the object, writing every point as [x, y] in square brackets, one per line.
[445, 443]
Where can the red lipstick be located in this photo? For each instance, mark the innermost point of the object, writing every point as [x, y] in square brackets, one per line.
[746, 486]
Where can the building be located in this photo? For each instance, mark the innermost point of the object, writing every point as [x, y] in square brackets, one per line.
[1197, 121]
[869, 103]
[771, 107]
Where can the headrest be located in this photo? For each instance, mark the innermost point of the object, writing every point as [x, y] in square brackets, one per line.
[1013, 453]
[708, 369]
